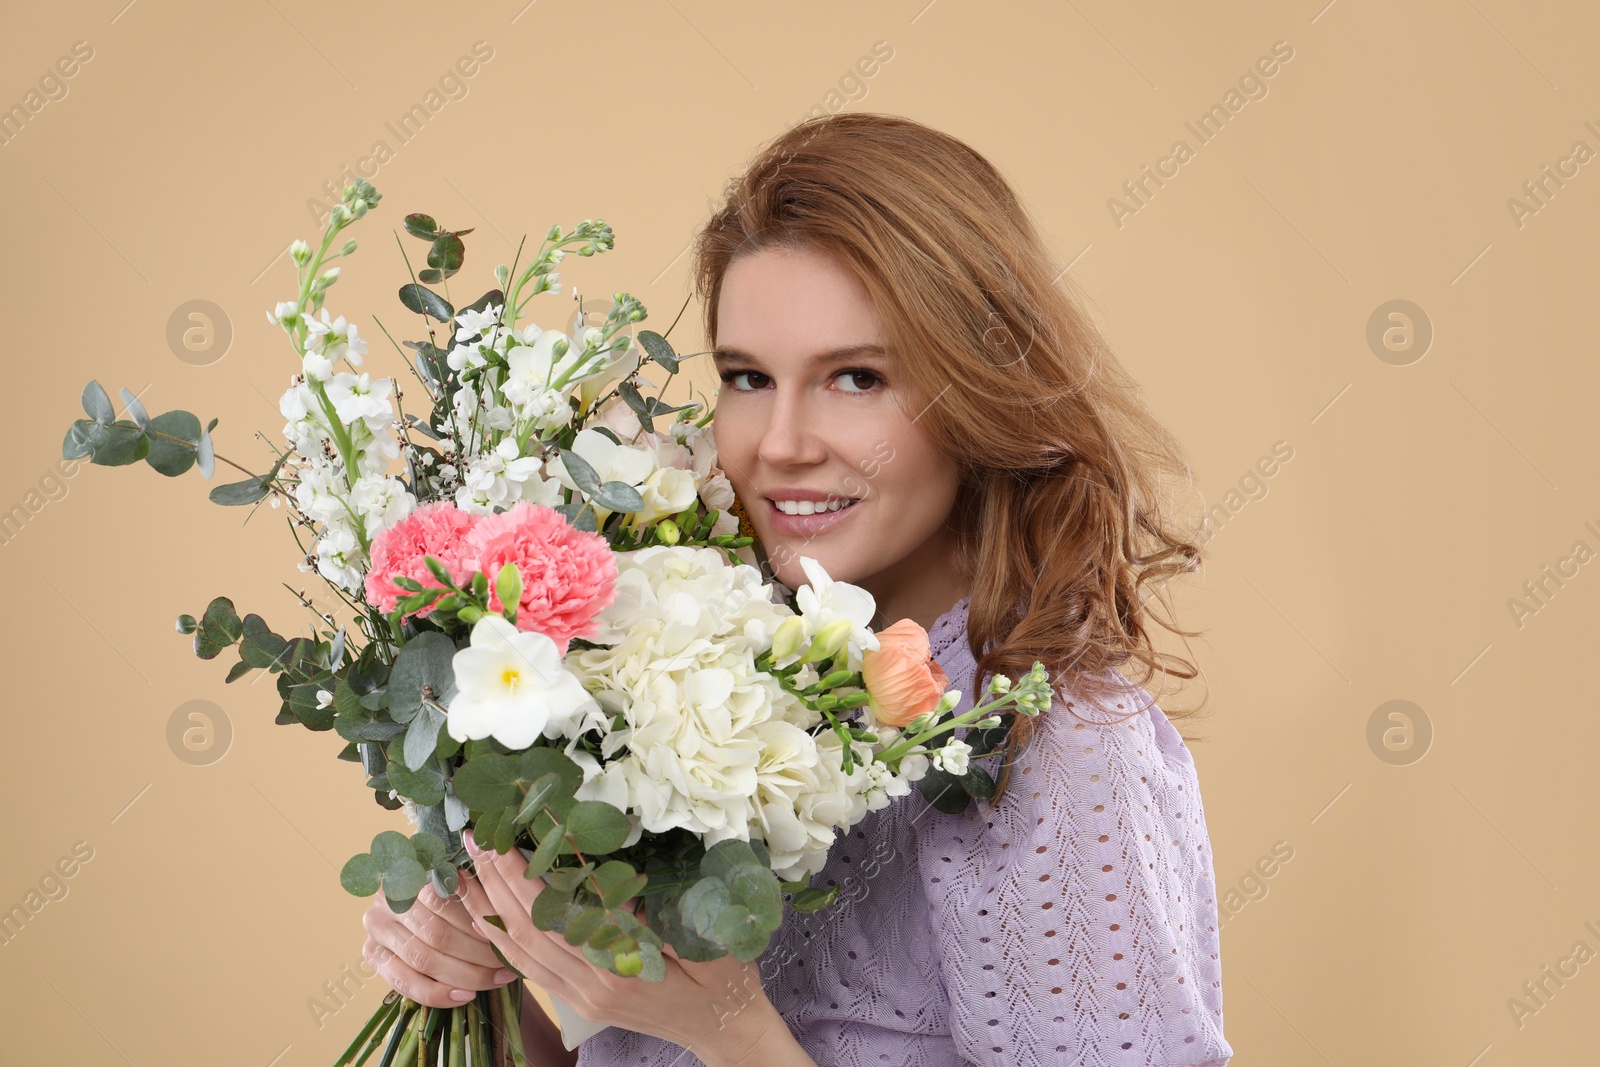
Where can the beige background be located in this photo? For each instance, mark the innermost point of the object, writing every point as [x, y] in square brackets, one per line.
[1378, 565]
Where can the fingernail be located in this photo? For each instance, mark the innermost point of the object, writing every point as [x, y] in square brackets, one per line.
[461, 996]
[502, 976]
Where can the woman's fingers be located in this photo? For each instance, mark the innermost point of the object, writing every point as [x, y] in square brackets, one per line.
[406, 980]
[456, 935]
[431, 947]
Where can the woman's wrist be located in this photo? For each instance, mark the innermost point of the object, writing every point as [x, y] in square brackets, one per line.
[756, 1036]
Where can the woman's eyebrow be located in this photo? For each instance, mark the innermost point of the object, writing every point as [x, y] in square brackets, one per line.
[729, 353]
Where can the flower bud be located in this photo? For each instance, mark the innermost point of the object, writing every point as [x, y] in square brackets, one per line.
[300, 252]
[667, 532]
[988, 723]
[829, 640]
[349, 247]
[786, 642]
[1001, 684]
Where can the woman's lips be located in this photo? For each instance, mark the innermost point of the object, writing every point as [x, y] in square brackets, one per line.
[809, 525]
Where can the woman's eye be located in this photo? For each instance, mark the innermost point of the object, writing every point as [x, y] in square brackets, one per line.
[872, 377]
[728, 376]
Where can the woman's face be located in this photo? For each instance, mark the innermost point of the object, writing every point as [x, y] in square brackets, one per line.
[810, 409]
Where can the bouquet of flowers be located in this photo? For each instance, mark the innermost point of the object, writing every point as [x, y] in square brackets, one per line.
[561, 633]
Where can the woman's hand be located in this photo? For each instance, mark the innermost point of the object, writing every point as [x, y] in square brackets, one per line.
[718, 1009]
[430, 953]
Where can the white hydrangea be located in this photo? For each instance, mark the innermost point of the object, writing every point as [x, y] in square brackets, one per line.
[711, 744]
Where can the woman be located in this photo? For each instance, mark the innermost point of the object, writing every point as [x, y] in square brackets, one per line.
[895, 350]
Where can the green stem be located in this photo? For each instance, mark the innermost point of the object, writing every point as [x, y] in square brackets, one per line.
[971, 715]
[511, 1013]
[407, 1013]
[385, 1009]
[456, 1021]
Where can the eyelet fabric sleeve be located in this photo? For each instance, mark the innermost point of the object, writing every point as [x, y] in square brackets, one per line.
[1076, 922]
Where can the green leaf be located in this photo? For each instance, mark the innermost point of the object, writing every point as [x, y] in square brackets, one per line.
[618, 496]
[261, 647]
[97, 404]
[425, 301]
[422, 738]
[700, 906]
[204, 457]
[424, 786]
[944, 791]
[487, 783]
[248, 491]
[424, 665]
[539, 794]
[141, 417]
[565, 880]
[814, 898]
[617, 881]
[361, 875]
[541, 858]
[659, 349]
[977, 781]
[593, 826]
[429, 848]
[120, 444]
[446, 253]
[553, 910]
[505, 962]
[170, 457]
[219, 627]
[420, 225]
[742, 932]
[630, 396]
[583, 475]
[81, 438]
[586, 922]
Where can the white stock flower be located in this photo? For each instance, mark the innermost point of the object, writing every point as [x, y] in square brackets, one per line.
[360, 397]
[511, 685]
[335, 340]
[952, 756]
[823, 601]
[339, 556]
[381, 502]
[498, 478]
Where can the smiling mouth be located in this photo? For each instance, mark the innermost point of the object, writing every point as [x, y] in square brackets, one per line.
[812, 507]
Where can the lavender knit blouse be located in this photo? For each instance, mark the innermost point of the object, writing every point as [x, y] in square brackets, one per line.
[1074, 924]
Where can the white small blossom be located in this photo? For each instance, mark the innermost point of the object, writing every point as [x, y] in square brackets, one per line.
[952, 758]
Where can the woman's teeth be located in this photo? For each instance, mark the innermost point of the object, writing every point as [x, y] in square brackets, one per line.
[810, 507]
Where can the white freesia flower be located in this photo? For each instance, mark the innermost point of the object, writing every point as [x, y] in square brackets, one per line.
[666, 492]
[511, 685]
[824, 601]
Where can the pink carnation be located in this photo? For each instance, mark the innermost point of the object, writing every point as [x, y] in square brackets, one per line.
[437, 529]
[568, 575]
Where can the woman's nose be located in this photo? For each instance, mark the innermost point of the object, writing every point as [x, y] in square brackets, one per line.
[791, 437]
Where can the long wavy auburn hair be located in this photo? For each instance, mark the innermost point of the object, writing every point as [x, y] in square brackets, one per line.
[1061, 515]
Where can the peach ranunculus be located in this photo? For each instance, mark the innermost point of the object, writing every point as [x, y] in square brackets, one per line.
[901, 675]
